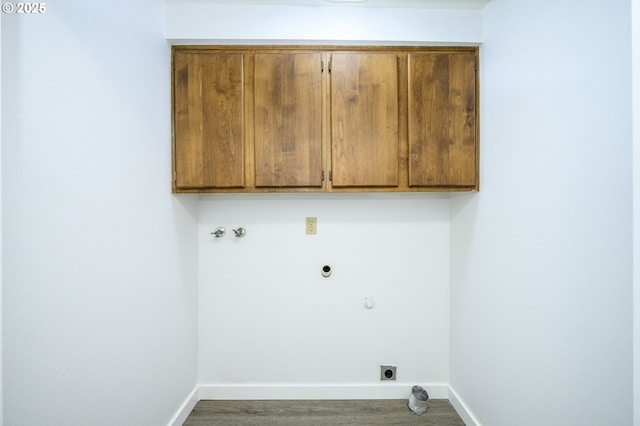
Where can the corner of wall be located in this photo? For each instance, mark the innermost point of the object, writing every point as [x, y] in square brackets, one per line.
[185, 409]
[462, 409]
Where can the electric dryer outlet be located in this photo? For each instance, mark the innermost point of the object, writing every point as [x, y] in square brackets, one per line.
[387, 372]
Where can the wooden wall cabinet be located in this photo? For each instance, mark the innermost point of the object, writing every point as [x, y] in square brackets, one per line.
[442, 119]
[288, 120]
[364, 119]
[208, 121]
[324, 118]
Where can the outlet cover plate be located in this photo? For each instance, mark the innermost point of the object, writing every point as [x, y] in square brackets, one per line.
[387, 372]
[312, 225]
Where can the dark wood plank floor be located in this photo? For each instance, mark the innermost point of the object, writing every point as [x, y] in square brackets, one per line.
[321, 412]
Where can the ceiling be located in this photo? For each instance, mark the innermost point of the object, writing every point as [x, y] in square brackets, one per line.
[420, 4]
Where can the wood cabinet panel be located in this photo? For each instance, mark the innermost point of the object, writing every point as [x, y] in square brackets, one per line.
[325, 118]
[208, 120]
[288, 119]
[364, 119]
[442, 119]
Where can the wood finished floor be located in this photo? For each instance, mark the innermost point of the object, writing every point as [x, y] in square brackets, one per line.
[321, 412]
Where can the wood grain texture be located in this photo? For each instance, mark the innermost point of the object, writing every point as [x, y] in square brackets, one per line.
[442, 119]
[387, 118]
[208, 120]
[288, 119]
[321, 412]
[364, 119]
[249, 128]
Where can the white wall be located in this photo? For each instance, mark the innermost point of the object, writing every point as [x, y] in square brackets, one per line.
[198, 22]
[541, 311]
[99, 259]
[272, 327]
[1, 327]
[635, 79]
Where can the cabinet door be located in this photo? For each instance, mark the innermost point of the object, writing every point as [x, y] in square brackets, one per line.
[208, 120]
[288, 119]
[442, 119]
[364, 119]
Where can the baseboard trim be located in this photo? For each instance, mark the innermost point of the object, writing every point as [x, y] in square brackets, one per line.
[318, 391]
[185, 409]
[462, 409]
